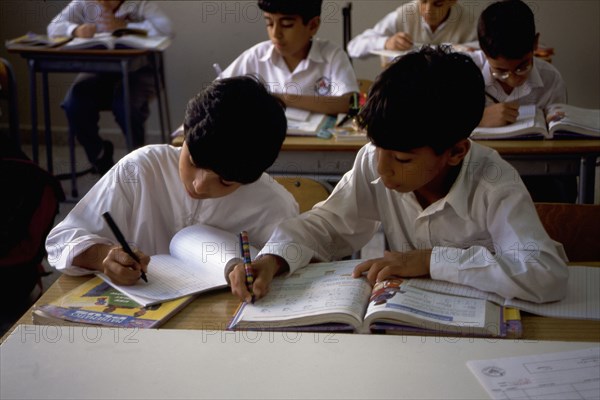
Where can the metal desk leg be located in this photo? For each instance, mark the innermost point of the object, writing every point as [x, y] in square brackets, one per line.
[47, 123]
[155, 73]
[161, 69]
[33, 109]
[587, 175]
[127, 104]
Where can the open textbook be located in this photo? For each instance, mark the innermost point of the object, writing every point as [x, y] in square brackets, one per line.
[326, 296]
[108, 41]
[33, 40]
[556, 121]
[198, 257]
[306, 123]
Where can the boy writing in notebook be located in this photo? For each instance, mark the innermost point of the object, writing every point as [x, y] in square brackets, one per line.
[304, 71]
[415, 23]
[93, 92]
[449, 208]
[216, 178]
[511, 73]
[514, 77]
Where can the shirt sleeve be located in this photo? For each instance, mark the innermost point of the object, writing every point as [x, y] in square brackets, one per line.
[67, 20]
[84, 226]
[334, 229]
[525, 263]
[148, 16]
[343, 75]
[374, 38]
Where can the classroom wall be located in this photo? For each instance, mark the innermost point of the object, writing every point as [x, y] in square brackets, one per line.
[217, 31]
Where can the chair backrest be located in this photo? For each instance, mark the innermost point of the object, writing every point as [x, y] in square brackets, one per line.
[8, 91]
[306, 191]
[576, 226]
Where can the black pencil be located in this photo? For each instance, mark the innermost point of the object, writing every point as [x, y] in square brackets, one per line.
[117, 232]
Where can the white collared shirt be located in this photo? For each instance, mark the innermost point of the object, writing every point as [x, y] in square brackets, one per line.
[326, 71]
[146, 198]
[544, 84]
[459, 27]
[484, 233]
[139, 15]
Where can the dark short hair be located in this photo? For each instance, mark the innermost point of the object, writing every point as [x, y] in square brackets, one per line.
[431, 97]
[235, 128]
[506, 29]
[307, 9]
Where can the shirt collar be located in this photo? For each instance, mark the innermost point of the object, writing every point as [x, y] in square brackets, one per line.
[314, 55]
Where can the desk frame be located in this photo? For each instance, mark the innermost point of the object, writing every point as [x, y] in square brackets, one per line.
[326, 160]
[45, 61]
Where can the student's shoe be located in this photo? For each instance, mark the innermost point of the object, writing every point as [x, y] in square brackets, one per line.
[105, 162]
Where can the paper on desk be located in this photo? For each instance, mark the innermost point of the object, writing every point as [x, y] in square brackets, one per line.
[564, 375]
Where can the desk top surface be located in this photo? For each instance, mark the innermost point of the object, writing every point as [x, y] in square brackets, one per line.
[213, 311]
[504, 147]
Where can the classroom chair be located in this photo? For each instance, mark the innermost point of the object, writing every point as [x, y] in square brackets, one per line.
[576, 226]
[306, 191]
[8, 92]
[347, 25]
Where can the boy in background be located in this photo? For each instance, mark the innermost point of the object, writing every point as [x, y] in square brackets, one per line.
[428, 186]
[216, 178]
[514, 77]
[415, 23]
[305, 72]
[91, 92]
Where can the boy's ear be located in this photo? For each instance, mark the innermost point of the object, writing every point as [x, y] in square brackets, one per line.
[458, 152]
[536, 41]
[314, 24]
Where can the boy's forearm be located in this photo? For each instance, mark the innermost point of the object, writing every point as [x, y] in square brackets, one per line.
[92, 257]
[331, 105]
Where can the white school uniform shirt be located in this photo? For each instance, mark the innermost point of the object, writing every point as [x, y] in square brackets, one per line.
[140, 15]
[147, 200]
[484, 233]
[544, 84]
[326, 71]
[459, 27]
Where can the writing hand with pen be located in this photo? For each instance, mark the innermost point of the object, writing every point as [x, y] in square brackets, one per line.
[264, 270]
[499, 114]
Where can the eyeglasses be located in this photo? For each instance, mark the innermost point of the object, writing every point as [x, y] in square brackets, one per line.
[506, 74]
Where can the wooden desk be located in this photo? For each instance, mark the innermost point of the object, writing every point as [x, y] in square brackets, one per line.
[45, 61]
[212, 311]
[328, 160]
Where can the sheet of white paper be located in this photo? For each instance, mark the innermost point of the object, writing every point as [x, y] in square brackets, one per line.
[564, 375]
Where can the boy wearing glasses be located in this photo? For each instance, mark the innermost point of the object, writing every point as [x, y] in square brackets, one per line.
[512, 75]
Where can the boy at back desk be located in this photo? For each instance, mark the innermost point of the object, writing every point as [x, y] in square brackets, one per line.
[450, 208]
[216, 178]
[304, 71]
[93, 92]
[415, 23]
[514, 77]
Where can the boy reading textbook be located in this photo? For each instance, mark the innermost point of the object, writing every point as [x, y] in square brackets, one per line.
[158, 190]
[555, 121]
[325, 296]
[97, 303]
[427, 186]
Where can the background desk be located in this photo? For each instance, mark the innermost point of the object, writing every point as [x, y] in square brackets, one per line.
[212, 312]
[97, 61]
[328, 160]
